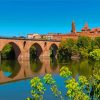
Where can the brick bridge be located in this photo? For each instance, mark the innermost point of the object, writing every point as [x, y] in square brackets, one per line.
[22, 47]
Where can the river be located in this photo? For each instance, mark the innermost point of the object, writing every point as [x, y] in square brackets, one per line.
[15, 76]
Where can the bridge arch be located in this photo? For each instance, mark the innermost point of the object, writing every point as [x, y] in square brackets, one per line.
[37, 49]
[53, 50]
[16, 49]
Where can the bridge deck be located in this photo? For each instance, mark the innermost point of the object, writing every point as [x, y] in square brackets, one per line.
[17, 38]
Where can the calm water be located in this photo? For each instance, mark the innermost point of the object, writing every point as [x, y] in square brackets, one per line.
[15, 76]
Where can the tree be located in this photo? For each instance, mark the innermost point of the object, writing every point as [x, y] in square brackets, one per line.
[84, 45]
[8, 52]
[97, 41]
[70, 43]
[95, 54]
[84, 42]
[32, 52]
[63, 51]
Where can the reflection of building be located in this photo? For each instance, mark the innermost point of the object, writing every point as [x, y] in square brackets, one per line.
[86, 31]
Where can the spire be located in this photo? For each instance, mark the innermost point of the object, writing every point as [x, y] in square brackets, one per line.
[86, 27]
[73, 27]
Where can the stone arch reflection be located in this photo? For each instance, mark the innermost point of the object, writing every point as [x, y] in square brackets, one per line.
[9, 68]
[53, 63]
[49, 66]
[36, 65]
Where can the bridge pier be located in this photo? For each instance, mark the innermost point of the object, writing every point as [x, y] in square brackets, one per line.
[24, 56]
[45, 54]
[0, 57]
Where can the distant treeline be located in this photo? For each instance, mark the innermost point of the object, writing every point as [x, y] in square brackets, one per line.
[80, 47]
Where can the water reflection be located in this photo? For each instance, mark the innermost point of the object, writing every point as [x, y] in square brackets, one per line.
[36, 65]
[53, 63]
[10, 68]
[14, 70]
[81, 67]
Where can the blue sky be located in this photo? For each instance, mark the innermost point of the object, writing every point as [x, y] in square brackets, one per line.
[20, 17]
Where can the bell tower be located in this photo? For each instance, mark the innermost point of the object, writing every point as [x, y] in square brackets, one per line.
[73, 30]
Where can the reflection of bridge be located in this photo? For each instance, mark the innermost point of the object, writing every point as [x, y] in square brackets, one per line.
[22, 47]
[26, 72]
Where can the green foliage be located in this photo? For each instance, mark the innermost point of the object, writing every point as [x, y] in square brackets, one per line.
[55, 90]
[70, 43]
[95, 54]
[84, 52]
[37, 88]
[72, 87]
[83, 81]
[8, 52]
[83, 42]
[76, 90]
[81, 96]
[29, 99]
[32, 52]
[84, 84]
[63, 53]
[97, 41]
[64, 72]
[85, 45]
[48, 79]
[95, 84]
[82, 47]
[66, 48]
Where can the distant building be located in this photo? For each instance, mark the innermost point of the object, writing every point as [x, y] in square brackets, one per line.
[47, 36]
[85, 28]
[86, 31]
[52, 36]
[34, 36]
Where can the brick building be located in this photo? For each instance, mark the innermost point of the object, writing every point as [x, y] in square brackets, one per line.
[86, 31]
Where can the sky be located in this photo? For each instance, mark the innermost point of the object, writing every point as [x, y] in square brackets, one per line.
[22, 17]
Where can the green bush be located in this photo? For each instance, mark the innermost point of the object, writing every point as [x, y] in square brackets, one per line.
[95, 54]
[82, 89]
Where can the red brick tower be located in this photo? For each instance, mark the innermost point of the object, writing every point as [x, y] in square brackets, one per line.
[85, 28]
[73, 27]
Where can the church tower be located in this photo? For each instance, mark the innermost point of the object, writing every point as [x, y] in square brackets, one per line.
[73, 30]
[85, 28]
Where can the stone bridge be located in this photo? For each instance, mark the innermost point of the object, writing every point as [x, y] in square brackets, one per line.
[22, 47]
